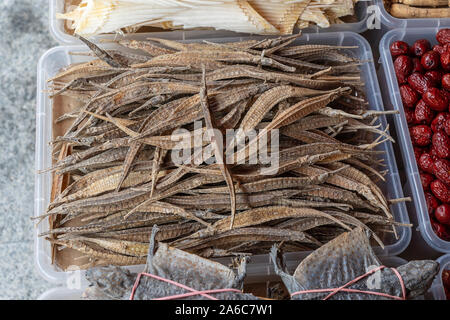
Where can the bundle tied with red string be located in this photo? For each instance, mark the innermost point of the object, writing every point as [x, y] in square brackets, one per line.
[346, 268]
[171, 273]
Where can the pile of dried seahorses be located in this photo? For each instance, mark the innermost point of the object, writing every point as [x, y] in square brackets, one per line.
[120, 151]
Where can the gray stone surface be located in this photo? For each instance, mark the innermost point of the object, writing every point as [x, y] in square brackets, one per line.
[24, 37]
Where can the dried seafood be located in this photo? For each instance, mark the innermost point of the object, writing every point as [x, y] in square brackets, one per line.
[92, 17]
[115, 283]
[331, 266]
[314, 174]
[343, 260]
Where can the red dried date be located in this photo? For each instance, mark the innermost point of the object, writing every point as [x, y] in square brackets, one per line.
[426, 179]
[398, 48]
[403, 67]
[439, 49]
[447, 94]
[441, 169]
[440, 190]
[436, 99]
[435, 76]
[430, 60]
[440, 230]
[426, 162]
[410, 116]
[423, 113]
[442, 214]
[441, 144]
[447, 127]
[443, 36]
[421, 135]
[420, 82]
[445, 81]
[417, 66]
[438, 122]
[432, 202]
[433, 154]
[420, 47]
[409, 96]
[418, 152]
[445, 60]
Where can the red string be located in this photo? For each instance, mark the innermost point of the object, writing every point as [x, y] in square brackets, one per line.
[344, 289]
[192, 292]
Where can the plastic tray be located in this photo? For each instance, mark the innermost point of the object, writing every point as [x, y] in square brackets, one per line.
[393, 95]
[65, 293]
[59, 33]
[437, 288]
[54, 59]
[393, 23]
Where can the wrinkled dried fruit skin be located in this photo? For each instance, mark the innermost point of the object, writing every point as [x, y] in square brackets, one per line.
[441, 143]
[418, 152]
[439, 49]
[426, 162]
[435, 77]
[447, 94]
[403, 67]
[420, 82]
[436, 99]
[417, 66]
[426, 179]
[445, 60]
[432, 203]
[434, 154]
[440, 230]
[445, 81]
[398, 48]
[410, 116]
[440, 191]
[438, 122]
[442, 214]
[409, 96]
[423, 113]
[447, 127]
[420, 47]
[430, 60]
[441, 169]
[443, 36]
[421, 135]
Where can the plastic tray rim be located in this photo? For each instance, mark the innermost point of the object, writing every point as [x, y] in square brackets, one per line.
[49, 272]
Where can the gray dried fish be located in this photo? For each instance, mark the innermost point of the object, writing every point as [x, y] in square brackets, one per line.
[172, 264]
[350, 256]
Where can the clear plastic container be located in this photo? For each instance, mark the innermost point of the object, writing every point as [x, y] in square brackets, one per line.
[53, 60]
[437, 288]
[63, 37]
[393, 101]
[391, 22]
[65, 293]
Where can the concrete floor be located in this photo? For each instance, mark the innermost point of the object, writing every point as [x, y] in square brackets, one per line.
[24, 37]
